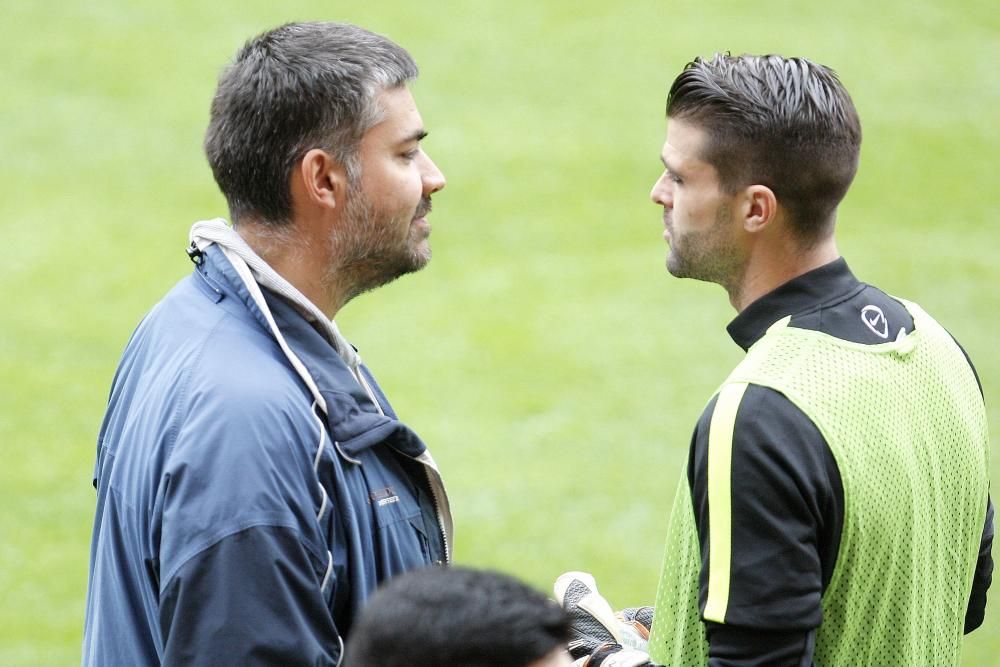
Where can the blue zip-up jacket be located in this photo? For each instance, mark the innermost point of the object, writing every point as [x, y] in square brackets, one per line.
[236, 523]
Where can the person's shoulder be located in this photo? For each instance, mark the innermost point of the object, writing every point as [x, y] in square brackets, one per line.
[246, 385]
[244, 364]
[186, 340]
[743, 402]
[247, 422]
[867, 315]
[764, 435]
[225, 375]
[186, 320]
[705, 418]
[764, 408]
[218, 341]
[757, 416]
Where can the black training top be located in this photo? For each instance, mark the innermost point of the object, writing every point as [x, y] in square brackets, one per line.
[784, 559]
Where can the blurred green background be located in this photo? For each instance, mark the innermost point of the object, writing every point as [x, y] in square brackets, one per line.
[545, 354]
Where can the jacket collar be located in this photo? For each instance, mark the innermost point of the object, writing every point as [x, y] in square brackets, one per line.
[814, 289]
[354, 421]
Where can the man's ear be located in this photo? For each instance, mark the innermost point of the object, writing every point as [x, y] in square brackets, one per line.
[320, 179]
[760, 208]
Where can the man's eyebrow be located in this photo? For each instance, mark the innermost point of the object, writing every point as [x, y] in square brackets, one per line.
[416, 135]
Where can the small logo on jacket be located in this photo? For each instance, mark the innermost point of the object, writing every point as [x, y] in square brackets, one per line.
[383, 497]
[874, 319]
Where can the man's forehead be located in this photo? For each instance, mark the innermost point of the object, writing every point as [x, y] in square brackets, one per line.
[400, 120]
[683, 145]
[674, 159]
[684, 139]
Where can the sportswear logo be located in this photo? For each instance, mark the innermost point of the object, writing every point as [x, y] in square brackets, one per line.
[383, 497]
[874, 319]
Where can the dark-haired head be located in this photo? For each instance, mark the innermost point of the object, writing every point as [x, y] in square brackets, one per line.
[786, 123]
[289, 90]
[456, 617]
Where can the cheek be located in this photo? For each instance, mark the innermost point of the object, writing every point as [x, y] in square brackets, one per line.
[692, 208]
[405, 187]
[392, 187]
[684, 208]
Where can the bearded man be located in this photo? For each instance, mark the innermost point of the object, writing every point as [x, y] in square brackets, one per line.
[254, 484]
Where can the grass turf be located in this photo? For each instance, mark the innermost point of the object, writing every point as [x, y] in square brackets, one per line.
[553, 365]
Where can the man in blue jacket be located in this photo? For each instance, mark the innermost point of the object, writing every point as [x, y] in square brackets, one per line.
[254, 484]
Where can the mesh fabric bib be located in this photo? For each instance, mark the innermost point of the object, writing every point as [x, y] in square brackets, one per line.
[906, 424]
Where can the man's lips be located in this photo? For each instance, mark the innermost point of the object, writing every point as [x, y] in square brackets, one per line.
[423, 209]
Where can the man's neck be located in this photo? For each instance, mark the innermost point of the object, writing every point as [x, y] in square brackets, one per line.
[299, 260]
[774, 265]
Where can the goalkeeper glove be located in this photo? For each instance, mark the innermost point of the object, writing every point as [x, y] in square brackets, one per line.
[599, 637]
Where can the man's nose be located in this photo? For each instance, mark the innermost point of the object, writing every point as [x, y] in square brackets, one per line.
[661, 193]
[433, 179]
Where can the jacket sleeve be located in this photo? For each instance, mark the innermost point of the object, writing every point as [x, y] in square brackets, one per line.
[252, 598]
[983, 576]
[785, 510]
[242, 556]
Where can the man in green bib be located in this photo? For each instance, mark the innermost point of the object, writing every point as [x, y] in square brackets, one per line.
[835, 508]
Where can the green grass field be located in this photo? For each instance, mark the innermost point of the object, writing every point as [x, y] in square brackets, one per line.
[547, 356]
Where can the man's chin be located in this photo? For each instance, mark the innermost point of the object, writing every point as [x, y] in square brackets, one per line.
[419, 252]
[421, 256]
[417, 258]
[390, 271]
[675, 267]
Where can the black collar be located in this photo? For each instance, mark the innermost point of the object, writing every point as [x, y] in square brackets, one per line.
[820, 287]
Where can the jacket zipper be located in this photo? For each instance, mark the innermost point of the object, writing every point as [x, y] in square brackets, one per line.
[437, 511]
[429, 470]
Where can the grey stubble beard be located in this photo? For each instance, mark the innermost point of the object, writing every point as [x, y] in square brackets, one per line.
[367, 251]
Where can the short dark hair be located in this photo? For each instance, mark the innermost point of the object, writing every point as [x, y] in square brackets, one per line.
[291, 89]
[787, 123]
[455, 616]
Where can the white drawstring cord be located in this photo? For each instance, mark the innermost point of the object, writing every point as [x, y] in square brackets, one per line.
[206, 232]
[244, 271]
[251, 270]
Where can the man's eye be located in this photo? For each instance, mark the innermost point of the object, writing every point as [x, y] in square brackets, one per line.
[410, 155]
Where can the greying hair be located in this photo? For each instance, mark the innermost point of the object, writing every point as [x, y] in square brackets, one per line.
[291, 89]
[787, 123]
